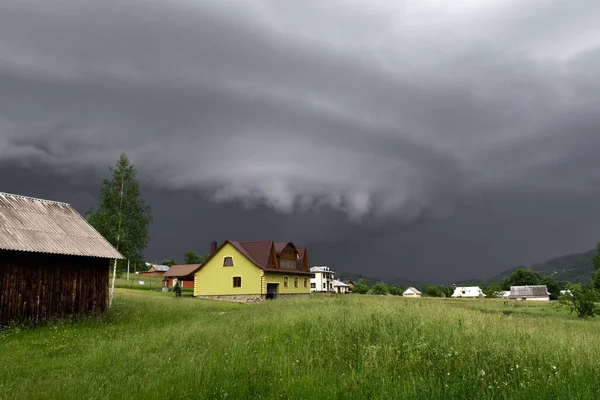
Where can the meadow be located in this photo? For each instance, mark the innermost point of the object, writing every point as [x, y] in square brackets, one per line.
[345, 346]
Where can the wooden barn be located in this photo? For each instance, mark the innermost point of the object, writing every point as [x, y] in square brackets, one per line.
[53, 264]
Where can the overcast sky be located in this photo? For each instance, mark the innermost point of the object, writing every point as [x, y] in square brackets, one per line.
[416, 138]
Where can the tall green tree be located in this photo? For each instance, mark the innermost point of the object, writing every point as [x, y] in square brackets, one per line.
[122, 216]
[521, 277]
[194, 258]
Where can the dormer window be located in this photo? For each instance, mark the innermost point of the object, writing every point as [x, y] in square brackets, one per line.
[288, 251]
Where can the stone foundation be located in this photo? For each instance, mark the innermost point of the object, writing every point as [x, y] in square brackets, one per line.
[249, 298]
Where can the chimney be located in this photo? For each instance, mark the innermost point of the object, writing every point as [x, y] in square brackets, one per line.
[213, 247]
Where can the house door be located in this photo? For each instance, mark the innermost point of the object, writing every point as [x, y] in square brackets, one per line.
[272, 289]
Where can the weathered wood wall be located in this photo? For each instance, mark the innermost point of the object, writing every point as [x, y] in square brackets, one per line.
[38, 287]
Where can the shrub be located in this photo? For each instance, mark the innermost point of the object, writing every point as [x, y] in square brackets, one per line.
[395, 290]
[361, 288]
[379, 288]
[581, 299]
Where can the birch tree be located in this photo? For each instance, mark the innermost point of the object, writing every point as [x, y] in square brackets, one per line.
[122, 216]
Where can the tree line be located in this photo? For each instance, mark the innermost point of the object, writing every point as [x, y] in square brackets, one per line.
[581, 299]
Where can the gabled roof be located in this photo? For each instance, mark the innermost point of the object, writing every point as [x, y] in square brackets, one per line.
[44, 226]
[339, 283]
[181, 271]
[257, 252]
[528, 291]
[158, 267]
[279, 246]
[301, 256]
[411, 290]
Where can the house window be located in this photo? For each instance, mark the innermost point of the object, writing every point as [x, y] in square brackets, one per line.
[228, 262]
[313, 285]
[288, 264]
[312, 276]
[295, 282]
[285, 281]
[288, 251]
[237, 281]
[305, 282]
[324, 285]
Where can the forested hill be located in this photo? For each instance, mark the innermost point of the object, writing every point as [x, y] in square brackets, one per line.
[575, 268]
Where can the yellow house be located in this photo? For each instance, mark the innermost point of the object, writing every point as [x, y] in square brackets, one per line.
[253, 271]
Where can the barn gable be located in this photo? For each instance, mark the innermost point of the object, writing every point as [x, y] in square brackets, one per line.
[53, 263]
[43, 226]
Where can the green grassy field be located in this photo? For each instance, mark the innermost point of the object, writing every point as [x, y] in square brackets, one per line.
[135, 282]
[357, 347]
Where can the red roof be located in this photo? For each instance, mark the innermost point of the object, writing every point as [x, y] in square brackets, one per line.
[279, 246]
[258, 253]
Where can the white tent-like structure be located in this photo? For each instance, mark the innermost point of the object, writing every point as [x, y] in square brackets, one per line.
[411, 292]
[468, 291]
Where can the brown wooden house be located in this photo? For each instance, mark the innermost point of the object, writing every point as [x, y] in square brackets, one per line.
[183, 273]
[53, 264]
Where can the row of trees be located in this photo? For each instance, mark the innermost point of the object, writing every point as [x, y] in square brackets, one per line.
[580, 299]
[189, 257]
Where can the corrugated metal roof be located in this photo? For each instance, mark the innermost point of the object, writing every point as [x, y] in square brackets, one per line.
[157, 267]
[528, 291]
[44, 226]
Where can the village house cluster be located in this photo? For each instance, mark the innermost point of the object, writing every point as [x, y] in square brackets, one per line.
[529, 292]
[251, 271]
[53, 263]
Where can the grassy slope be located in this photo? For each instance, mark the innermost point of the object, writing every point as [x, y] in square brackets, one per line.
[352, 346]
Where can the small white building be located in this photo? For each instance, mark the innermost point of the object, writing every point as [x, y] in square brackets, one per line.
[468, 291]
[321, 279]
[340, 287]
[411, 292]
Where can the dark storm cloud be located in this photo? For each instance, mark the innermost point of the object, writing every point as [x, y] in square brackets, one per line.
[384, 111]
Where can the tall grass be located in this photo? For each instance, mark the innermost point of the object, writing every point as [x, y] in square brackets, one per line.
[357, 347]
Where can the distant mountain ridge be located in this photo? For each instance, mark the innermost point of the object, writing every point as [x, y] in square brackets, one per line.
[575, 268]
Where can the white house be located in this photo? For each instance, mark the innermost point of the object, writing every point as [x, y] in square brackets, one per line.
[321, 279]
[340, 287]
[534, 292]
[411, 292]
[468, 291]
